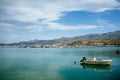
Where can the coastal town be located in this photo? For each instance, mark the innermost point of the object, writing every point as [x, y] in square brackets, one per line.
[75, 44]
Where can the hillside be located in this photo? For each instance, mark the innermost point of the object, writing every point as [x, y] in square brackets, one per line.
[90, 39]
[95, 42]
[103, 36]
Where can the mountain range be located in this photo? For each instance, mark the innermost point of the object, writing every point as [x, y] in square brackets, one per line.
[68, 40]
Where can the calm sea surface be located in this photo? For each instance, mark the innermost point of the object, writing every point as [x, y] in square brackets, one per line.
[57, 64]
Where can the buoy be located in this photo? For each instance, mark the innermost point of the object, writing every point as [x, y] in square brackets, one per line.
[74, 62]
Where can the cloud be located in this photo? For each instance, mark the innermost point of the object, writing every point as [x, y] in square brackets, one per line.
[26, 17]
[6, 27]
[105, 24]
[10, 29]
[35, 28]
[51, 10]
[35, 11]
[57, 26]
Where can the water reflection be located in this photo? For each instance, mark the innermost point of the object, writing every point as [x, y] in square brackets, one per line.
[97, 67]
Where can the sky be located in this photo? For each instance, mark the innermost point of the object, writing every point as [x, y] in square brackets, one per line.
[24, 20]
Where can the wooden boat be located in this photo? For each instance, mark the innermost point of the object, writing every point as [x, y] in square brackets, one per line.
[95, 61]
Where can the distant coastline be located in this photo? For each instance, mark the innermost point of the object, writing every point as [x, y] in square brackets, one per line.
[105, 39]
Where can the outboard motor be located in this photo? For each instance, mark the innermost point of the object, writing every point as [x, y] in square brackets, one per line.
[84, 58]
[118, 52]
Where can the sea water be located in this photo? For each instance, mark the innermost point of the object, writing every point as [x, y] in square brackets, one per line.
[57, 64]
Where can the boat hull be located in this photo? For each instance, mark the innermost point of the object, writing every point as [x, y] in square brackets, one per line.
[97, 67]
[97, 62]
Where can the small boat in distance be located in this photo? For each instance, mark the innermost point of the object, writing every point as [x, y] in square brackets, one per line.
[94, 61]
[118, 52]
